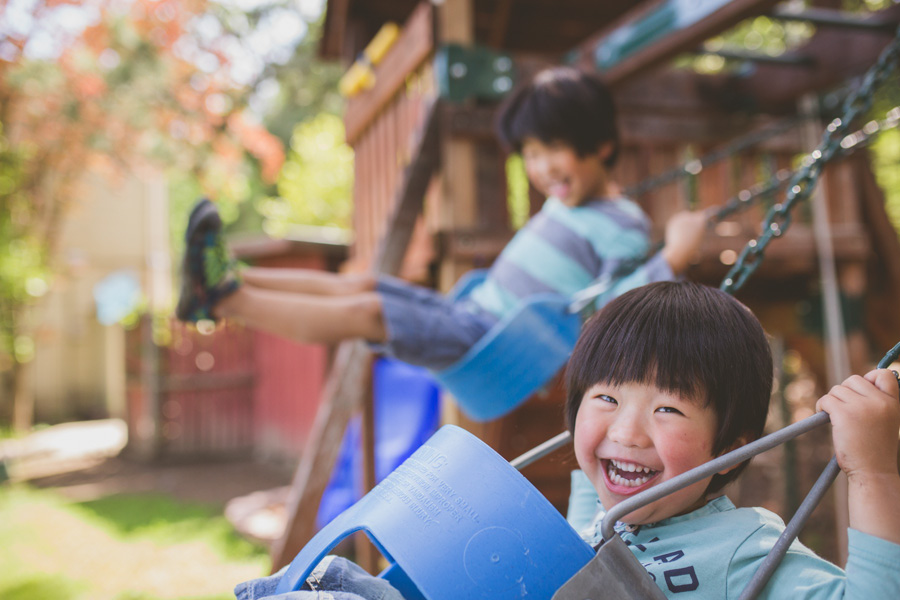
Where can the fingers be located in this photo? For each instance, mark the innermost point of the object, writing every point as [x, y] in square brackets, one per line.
[885, 380]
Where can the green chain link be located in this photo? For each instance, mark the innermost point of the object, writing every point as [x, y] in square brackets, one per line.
[801, 185]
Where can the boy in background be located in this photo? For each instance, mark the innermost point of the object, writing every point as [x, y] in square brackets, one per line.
[564, 125]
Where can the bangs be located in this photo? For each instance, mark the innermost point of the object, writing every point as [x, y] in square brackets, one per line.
[645, 346]
[685, 339]
[542, 115]
[561, 105]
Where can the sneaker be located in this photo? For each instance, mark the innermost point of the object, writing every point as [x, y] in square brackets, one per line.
[208, 273]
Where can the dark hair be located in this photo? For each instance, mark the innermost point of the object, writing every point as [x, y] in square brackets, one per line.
[561, 104]
[684, 338]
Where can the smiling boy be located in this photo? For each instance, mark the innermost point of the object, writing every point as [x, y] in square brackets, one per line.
[670, 375]
[564, 124]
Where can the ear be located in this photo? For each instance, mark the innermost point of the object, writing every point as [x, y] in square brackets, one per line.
[741, 441]
[605, 150]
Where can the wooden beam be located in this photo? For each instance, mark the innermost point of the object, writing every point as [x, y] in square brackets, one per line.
[415, 44]
[839, 55]
[671, 44]
[331, 44]
[788, 59]
[827, 17]
[499, 24]
[347, 381]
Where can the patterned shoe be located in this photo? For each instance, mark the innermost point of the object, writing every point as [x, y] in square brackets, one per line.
[208, 273]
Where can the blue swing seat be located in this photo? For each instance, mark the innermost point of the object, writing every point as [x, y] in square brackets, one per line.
[513, 360]
[455, 520]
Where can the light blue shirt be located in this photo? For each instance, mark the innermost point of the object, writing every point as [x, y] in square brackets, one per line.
[712, 553]
[563, 249]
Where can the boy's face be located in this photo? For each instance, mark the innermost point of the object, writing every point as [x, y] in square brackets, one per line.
[555, 169]
[631, 437]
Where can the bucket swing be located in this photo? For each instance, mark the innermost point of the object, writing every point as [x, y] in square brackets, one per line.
[455, 520]
[524, 350]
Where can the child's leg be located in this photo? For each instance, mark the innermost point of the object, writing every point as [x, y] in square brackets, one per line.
[307, 281]
[307, 318]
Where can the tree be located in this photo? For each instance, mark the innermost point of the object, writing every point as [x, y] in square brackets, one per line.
[316, 182]
[134, 85]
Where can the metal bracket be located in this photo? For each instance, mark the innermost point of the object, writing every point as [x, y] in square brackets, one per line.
[464, 72]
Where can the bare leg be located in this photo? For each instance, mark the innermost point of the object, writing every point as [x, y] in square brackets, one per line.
[308, 281]
[307, 318]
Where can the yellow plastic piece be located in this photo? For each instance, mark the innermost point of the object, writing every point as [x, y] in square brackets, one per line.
[360, 76]
[382, 42]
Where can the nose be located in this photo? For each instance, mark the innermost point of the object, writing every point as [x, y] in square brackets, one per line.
[628, 430]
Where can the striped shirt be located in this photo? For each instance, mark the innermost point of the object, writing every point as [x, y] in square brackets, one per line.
[563, 249]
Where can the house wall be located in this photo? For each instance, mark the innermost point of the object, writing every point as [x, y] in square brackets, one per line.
[78, 370]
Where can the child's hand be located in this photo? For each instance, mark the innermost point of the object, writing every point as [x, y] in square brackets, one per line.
[684, 234]
[865, 419]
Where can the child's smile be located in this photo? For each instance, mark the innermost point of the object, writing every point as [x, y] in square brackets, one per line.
[631, 437]
[625, 477]
[555, 169]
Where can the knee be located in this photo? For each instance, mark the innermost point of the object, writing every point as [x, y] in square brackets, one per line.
[368, 308]
[359, 283]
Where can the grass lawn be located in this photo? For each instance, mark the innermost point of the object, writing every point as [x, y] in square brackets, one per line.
[123, 547]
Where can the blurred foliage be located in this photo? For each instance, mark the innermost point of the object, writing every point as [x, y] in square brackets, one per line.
[307, 86]
[760, 34]
[517, 201]
[134, 87]
[316, 182]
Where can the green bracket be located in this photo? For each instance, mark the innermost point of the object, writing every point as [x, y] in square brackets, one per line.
[464, 72]
[664, 20]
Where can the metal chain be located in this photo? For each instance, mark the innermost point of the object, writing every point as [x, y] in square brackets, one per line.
[807, 176]
[583, 300]
[693, 167]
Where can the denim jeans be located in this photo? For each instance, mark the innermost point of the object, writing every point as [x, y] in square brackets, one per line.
[335, 578]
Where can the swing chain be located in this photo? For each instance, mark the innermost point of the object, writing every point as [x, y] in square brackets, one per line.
[746, 196]
[693, 167]
[804, 180]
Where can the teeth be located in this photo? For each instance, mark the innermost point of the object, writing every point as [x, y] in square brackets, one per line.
[630, 467]
[619, 480]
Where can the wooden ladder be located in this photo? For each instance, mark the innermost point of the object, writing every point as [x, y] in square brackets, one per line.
[346, 389]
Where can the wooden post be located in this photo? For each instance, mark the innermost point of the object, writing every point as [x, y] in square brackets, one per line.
[366, 554]
[459, 189]
[837, 359]
[347, 380]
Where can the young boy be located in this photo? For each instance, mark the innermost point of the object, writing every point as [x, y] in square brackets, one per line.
[670, 375]
[564, 125]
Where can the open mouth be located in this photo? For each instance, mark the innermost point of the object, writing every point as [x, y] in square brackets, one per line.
[626, 474]
[558, 188]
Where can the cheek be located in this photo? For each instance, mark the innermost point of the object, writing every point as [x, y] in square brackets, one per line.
[685, 450]
[587, 436]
